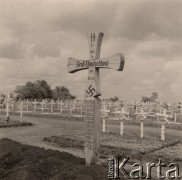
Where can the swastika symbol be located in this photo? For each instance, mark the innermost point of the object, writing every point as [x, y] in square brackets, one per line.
[90, 91]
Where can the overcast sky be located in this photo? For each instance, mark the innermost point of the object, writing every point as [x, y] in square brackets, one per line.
[38, 37]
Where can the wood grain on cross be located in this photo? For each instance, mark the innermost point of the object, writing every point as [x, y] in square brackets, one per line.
[92, 102]
[94, 63]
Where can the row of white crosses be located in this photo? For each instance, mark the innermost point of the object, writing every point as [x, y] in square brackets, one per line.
[72, 105]
[141, 114]
[163, 112]
[23, 106]
[92, 93]
[44, 105]
[120, 113]
[147, 107]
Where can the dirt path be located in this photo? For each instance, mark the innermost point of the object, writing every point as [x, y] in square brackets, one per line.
[43, 127]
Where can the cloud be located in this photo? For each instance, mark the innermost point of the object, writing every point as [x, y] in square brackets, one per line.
[140, 19]
[38, 37]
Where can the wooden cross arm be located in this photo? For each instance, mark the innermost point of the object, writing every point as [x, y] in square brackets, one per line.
[75, 65]
[115, 62]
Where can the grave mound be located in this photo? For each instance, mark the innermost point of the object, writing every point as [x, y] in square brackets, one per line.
[14, 123]
[130, 146]
[18, 161]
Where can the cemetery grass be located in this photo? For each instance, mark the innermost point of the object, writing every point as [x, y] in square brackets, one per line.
[68, 133]
[130, 144]
[13, 123]
[130, 141]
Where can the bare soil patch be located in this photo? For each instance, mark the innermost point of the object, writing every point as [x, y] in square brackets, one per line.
[18, 161]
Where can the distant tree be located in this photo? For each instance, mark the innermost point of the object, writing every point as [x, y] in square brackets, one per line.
[62, 93]
[43, 90]
[33, 90]
[146, 99]
[154, 96]
[3, 95]
[151, 98]
[2, 98]
[25, 92]
[114, 99]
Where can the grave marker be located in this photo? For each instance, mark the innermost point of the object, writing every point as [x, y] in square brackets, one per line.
[104, 115]
[35, 105]
[163, 132]
[52, 103]
[92, 93]
[43, 104]
[27, 104]
[121, 128]
[21, 110]
[8, 100]
[141, 123]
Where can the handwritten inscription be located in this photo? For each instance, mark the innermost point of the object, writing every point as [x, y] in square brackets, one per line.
[91, 78]
[89, 123]
[92, 51]
[91, 75]
[92, 37]
[87, 63]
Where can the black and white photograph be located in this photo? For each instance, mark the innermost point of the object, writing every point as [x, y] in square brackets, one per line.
[90, 89]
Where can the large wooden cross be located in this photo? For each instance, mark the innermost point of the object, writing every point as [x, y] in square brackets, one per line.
[92, 93]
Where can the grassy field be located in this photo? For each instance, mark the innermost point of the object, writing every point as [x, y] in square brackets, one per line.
[67, 134]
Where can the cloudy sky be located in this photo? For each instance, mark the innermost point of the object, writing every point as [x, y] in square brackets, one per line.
[38, 37]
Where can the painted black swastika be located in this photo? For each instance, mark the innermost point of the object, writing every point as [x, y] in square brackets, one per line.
[90, 91]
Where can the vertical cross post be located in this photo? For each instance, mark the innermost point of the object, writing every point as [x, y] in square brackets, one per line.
[163, 132]
[92, 93]
[141, 123]
[27, 104]
[92, 101]
[7, 108]
[52, 103]
[21, 110]
[121, 128]
[43, 104]
[35, 105]
[61, 107]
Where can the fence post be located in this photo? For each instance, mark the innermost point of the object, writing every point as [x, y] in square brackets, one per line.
[157, 118]
[21, 114]
[81, 111]
[104, 125]
[175, 117]
[52, 101]
[7, 108]
[141, 128]
[104, 115]
[12, 106]
[21, 111]
[35, 105]
[61, 107]
[27, 104]
[163, 132]
[121, 128]
[70, 108]
[58, 105]
[42, 105]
